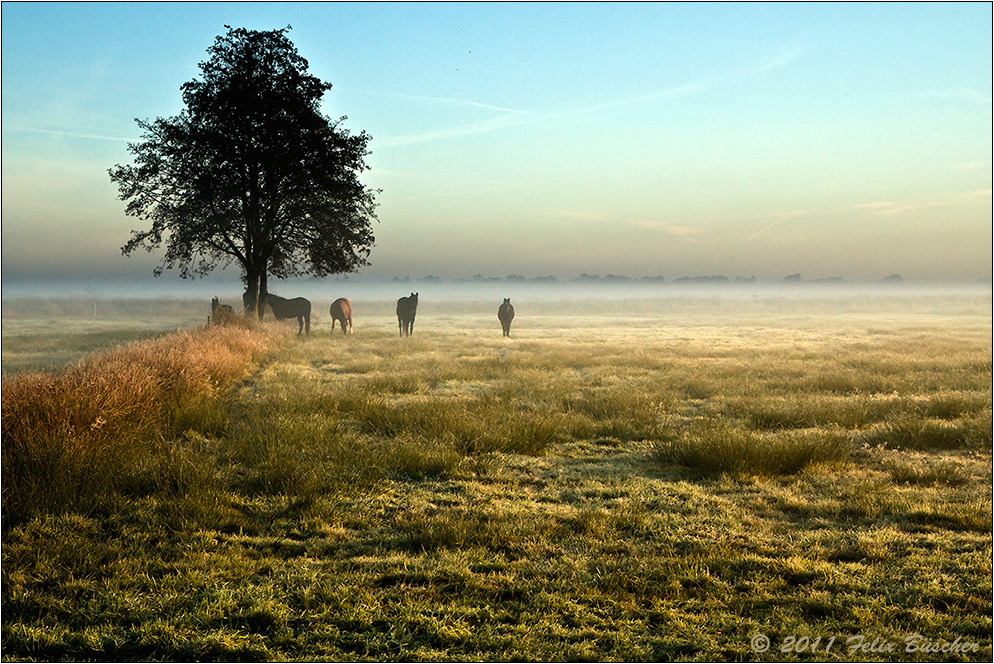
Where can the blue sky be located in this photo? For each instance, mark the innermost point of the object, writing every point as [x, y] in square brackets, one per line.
[847, 140]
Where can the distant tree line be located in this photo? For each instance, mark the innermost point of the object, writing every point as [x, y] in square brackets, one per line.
[612, 279]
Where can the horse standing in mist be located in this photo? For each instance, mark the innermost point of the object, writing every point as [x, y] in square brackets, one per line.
[341, 310]
[407, 308]
[505, 315]
[298, 307]
[220, 312]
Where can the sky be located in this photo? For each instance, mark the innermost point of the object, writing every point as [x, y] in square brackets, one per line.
[642, 139]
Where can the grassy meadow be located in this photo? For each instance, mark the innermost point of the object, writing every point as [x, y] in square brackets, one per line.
[645, 479]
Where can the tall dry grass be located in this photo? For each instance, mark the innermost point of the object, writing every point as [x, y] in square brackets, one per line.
[71, 437]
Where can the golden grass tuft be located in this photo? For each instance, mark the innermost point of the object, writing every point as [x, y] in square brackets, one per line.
[70, 436]
[713, 447]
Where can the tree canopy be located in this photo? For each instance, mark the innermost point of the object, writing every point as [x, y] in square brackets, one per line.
[251, 171]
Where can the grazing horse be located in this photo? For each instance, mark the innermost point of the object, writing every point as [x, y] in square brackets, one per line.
[407, 308]
[298, 307]
[220, 312]
[505, 315]
[341, 310]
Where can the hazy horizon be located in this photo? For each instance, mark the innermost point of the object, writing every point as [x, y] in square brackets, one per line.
[850, 141]
[433, 288]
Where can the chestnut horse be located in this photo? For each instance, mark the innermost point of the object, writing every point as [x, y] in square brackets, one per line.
[407, 308]
[505, 315]
[298, 307]
[341, 310]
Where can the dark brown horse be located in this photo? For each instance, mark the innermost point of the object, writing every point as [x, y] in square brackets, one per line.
[220, 313]
[341, 310]
[407, 308]
[505, 315]
[298, 307]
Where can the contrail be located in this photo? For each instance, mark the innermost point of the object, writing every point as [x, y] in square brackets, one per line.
[768, 227]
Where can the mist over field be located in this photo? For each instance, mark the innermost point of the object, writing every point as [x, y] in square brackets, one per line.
[541, 288]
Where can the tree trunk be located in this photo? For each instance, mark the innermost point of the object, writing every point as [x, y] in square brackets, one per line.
[251, 296]
[263, 290]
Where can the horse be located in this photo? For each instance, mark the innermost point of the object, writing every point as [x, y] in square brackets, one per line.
[220, 312]
[298, 307]
[341, 310]
[407, 307]
[505, 315]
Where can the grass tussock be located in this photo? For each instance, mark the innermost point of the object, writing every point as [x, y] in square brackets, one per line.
[928, 473]
[714, 447]
[69, 438]
[918, 432]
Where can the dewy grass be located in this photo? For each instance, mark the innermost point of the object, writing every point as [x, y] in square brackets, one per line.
[662, 484]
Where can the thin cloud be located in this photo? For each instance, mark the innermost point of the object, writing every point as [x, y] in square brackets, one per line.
[668, 228]
[472, 129]
[517, 118]
[881, 209]
[72, 134]
[683, 231]
[445, 100]
[781, 59]
[574, 214]
[888, 208]
[675, 92]
[468, 191]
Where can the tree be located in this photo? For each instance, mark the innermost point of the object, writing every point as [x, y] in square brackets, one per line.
[251, 171]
